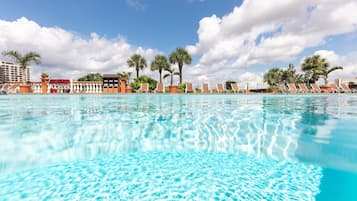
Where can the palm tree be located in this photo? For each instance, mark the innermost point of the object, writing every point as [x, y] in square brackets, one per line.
[313, 65]
[290, 76]
[181, 57]
[317, 67]
[23, 60]
[273, 76]
[325, 72]
[138, 62]
[171, 73]
[160, 63]
[125, 75]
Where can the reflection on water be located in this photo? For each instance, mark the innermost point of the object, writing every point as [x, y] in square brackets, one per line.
[46, 129]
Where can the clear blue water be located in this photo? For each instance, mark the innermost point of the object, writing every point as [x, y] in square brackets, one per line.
[178, 147]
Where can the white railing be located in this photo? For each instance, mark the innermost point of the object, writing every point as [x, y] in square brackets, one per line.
[87, 87]
[73, 87]
[60, 88]
[36, 87]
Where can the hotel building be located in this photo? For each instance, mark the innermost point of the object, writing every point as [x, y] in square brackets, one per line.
[10, 72]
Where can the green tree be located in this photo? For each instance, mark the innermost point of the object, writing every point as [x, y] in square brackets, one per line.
[181, 57]
[273, 76]
[23, 60]
[125, 76]
[171, 73]
[143, 79]
[91, 77]
[160, 63]
[316, 67]
[313, 65]
[138, 62]
[228, 84]
[290, 76]
[325, 72]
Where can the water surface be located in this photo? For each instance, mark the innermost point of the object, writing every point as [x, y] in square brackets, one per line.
[114, 146]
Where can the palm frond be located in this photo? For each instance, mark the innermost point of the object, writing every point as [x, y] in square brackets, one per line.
[14, 55]
[159, 63]
[137, 61]
[32, 56]
[334, 68]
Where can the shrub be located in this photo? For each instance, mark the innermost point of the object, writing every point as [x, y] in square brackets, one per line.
[228, 84]
[142, 79]
[181, 88]
[91, 77]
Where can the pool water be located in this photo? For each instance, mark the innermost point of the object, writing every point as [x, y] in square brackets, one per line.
[178, 147]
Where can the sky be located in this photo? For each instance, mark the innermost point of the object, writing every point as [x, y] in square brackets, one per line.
[228, 39]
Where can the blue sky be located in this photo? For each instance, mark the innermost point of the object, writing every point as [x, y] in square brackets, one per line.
[228, 39]
[161, 24]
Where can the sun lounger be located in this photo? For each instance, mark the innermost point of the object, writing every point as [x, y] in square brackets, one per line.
[160, 88]
[189, 88]
[205, 88]
[235, 88]
[346, 89]
[282, 88]
[220, 88]
[334, 88]
[292, 88]
[144, 88]
[316, 89]
[303, 88]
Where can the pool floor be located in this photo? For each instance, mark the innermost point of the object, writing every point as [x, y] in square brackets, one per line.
[168, 176]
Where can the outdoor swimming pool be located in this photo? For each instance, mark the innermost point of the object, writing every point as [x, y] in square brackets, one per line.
[178, 147]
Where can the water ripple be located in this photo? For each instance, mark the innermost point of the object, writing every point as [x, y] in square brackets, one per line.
[40, 130]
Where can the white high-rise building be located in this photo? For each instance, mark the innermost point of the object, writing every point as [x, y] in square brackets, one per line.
[10, 72]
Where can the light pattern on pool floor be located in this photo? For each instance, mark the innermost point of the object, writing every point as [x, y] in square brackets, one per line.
[168, 176]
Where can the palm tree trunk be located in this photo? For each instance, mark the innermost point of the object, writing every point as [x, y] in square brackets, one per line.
[326, 81]
[172, 79]
[160, 76]
[23, 75]
[137, 73]
[180, 69]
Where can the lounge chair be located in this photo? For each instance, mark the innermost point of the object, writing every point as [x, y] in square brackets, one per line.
[189, 88]
[334, 88]
[235, 88]
[160, 88]
[282, 88]
[315, 88]
[346, 89]
[4, 88]
[144, 88]
[292, 88]
[205, 88]
[220, 88]
[303, 88]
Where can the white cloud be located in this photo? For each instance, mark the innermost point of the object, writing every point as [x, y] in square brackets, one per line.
[136, 4]
[253, 80]
[66, 54]
[194, 1]
[263, 32]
